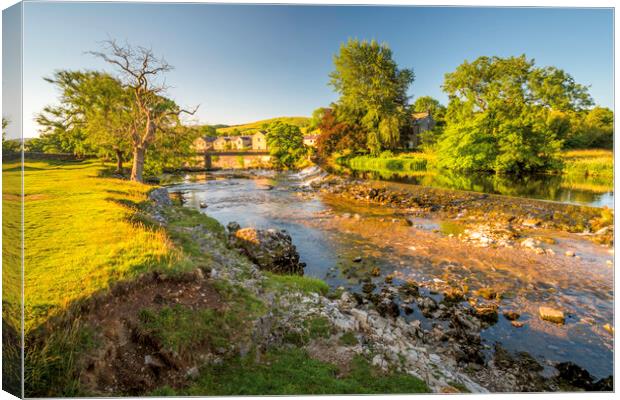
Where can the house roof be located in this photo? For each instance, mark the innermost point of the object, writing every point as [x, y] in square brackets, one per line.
[209, 139]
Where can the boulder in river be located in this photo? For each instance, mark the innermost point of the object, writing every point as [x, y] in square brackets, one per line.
[551, 314]
[574, 375]
[271, 249]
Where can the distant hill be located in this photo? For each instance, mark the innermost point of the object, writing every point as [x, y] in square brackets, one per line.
[252, 127]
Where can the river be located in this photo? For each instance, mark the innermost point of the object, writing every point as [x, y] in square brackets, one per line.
[330, 233]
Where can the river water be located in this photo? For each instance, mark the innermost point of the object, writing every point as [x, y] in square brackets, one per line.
[330, 233]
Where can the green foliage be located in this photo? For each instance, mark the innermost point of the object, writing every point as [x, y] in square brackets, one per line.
[171, 149]
[92, 116]
[500, 115]
[286, 145]
[293, 372]
[591, 129]
[97, 115]
[409, 162]
[373, 92]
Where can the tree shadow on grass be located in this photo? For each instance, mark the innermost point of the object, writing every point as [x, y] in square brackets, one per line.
[126, 203]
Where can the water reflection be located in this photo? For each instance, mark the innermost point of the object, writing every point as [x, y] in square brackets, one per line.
[587, 191]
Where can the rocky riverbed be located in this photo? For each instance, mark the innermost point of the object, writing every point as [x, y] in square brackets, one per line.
[468, 278]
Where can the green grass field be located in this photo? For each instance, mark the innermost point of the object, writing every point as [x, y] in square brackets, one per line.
[252, 127]
[78, 235]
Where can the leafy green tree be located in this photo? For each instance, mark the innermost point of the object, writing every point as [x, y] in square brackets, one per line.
[373, 92]
[94, 116]
[97, 115]
[96, 107]
[154, 115]
[500, 116]
[286, 145]
[35, 145]
[63, 127]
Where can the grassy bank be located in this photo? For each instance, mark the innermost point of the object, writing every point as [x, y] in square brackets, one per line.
[89, 237]
[79, 236]
[293, 372]
[590, 169]
[592, 163]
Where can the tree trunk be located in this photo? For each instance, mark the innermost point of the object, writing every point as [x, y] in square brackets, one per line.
[119, 161]
[138, 164]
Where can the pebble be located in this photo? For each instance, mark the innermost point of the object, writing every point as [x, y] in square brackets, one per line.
[569, 253]
[511, 315]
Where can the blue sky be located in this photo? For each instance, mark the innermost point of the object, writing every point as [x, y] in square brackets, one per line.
[243, 63]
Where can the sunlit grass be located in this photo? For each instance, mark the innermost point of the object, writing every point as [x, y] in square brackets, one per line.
[11, 243]
[589, 163]
[252, 127]
[79, 237]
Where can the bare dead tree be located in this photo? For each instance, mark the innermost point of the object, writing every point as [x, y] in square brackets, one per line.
[142, 72]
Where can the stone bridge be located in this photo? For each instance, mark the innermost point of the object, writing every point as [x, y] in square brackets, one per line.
[208, 155]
